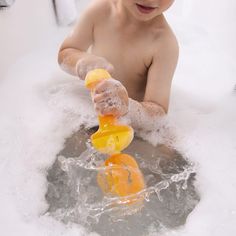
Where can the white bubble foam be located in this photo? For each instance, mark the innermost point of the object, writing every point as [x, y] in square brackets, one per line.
[39, 109]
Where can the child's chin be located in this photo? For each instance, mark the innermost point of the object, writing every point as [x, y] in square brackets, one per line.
[144, 17]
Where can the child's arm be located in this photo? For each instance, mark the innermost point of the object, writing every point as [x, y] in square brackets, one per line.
[157, 93]
[73, 56]
[110, 96]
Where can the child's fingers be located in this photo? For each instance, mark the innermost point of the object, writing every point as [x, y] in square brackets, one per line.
[98, 98]
[106, 85]
[101, 87]
[100, 105]
[105, 106]
[110, 111]
[107, 111]
[100, 108]
[106, 95]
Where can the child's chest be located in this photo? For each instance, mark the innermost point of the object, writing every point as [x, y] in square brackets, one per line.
[130, 56]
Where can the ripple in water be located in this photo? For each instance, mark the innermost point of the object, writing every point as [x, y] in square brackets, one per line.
[74, 195]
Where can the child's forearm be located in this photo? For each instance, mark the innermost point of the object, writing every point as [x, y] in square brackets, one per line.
[68, 59]
[79, 63]
[144, 115]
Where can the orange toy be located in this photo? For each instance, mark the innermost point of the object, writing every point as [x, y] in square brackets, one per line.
[122, 176]
[111, 137]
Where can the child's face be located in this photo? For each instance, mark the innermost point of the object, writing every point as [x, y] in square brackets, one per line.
[146, 10]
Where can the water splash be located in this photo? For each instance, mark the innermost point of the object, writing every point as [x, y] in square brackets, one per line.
[74, 195]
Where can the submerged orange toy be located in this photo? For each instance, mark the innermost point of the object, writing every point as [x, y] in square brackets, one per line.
[122, 176]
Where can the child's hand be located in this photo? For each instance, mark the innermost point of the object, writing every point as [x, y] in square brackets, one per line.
[110, 97]
[92, 62]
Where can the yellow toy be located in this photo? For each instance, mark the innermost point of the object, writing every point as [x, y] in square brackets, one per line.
[122, 176]
[110, 137]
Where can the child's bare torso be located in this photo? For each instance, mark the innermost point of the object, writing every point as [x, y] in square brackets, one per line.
[141, 47]
[128, 46]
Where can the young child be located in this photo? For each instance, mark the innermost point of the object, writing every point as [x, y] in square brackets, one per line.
[133, 41]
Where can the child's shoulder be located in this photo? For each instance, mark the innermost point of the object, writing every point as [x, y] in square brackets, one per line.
[165, 38]
[169, 37]
[100, 8]
[164, 43]
[97, 11]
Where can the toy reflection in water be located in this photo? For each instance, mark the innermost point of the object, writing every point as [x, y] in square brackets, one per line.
[73, 194]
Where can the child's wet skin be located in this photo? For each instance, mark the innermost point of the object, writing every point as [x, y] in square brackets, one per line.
[136, 45]
[110, 98]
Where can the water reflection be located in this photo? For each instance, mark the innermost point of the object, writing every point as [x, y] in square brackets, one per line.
[74, 196]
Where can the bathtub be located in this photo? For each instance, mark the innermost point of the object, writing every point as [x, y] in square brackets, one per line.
[37, 100]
